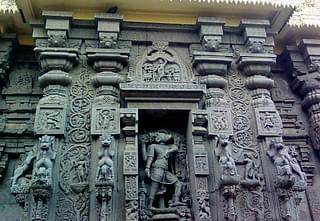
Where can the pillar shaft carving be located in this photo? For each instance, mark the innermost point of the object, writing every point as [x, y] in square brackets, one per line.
[256, 64]
[37, 189]
[129, 121]
[55, 59]
[107, 60]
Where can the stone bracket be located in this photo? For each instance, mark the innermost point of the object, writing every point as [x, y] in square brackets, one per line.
[211, 32]
[108, 27]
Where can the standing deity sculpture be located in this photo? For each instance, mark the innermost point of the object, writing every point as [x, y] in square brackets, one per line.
[81, 166]
[158, 156]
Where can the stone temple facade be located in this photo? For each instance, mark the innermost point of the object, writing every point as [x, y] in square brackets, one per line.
[110, 120]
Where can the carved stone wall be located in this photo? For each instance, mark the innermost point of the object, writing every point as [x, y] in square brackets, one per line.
[110, 120]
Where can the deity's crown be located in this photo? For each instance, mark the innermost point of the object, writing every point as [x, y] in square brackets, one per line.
[46, 139]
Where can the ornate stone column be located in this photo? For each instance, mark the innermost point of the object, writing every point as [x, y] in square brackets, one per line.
[211, 64]
[303, 63]
[107, 60]
[56, 59]
[256, 64]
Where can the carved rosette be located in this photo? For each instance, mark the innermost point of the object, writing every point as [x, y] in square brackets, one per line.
[129, 127]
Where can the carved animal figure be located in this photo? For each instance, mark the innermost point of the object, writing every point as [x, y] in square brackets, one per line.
[105, 164]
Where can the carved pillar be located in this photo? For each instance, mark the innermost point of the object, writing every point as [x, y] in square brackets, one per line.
[129, 121]
[107, 60]
[255, 62]
[199, 160]
[56, 59]
[256, 65]
[303, 62]
[211, 65]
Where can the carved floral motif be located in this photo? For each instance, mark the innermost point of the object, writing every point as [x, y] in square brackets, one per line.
[75, 155]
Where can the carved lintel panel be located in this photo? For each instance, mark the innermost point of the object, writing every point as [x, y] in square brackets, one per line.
[161, 63]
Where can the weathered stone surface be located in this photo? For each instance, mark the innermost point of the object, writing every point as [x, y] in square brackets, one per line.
[125, 121]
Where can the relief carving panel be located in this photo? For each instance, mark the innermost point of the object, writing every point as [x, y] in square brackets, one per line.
[105, 120]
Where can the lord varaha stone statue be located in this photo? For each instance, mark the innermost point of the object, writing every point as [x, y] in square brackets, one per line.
[119, 121]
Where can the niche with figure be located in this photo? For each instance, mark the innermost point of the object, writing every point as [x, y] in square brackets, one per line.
[163, 168]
